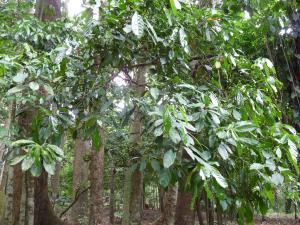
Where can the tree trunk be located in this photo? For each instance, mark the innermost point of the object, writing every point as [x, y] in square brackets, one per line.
[134, 179]
[169, 207]
[48, 9]
[96, 182]
[199, 212]
[184, 214]
[219, 214]
[80, 180]
[43, 212]
[6, 174]
[112, 203]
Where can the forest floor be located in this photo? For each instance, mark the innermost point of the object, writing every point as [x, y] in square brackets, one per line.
[273, 219]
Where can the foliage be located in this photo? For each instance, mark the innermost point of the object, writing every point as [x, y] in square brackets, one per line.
[211, 94]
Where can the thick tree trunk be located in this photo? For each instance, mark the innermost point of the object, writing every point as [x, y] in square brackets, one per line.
[43, 212]
[133, 204]
[96, 182]
[80, 180]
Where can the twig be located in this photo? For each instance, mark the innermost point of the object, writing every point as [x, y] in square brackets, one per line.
[77, 195]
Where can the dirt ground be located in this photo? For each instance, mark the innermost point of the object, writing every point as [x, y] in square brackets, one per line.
[151, 215]
[275, 219]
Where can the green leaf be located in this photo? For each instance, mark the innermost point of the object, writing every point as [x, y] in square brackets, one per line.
[218, 176]
[183, 40]
[49, 167]
[249, 141]
[169, 158]
[27, 163]
[245, 126]
[20, 77]
[256, 166]
[277, 179]
[137, 25]
[96, 141]
[167, 122]
[56, 149]
[154, 93]
[17, 159]
[164, 178]
[22, 142]
[155, 165]
[15, 90]
[293, 150]
[175, 5]
[174, 135]
[36, 170]
[223, 151]
[34, 86]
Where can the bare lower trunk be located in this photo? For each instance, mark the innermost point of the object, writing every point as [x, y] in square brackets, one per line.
[184, 214]
[112, 203]
[80, 180]
[169, 207]
[199, 212]
[43, 212]
[134, 179]
[96, 182]
[6, 175]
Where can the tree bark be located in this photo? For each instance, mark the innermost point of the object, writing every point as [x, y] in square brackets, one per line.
[133, 204]
[184, 214]
[199, 212]
[80, 180]
[96, 182]
[43, 212]
[112, 203]
[46, 10]
[169, 206]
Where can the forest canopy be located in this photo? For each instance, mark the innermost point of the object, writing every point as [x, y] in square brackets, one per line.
[173, 108]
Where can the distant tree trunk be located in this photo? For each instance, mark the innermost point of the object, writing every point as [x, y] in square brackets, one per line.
[112, 203]
[96, 182]
[48, 9]
[209, 211]
[133, 204]
[80, 180]
[219, 214]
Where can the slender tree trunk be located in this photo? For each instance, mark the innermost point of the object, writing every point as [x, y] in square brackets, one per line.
[219, 214]
[96, 182]
[6, 174]
[199, 212]
[112, 203]
[134, 179]
[80, 180]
